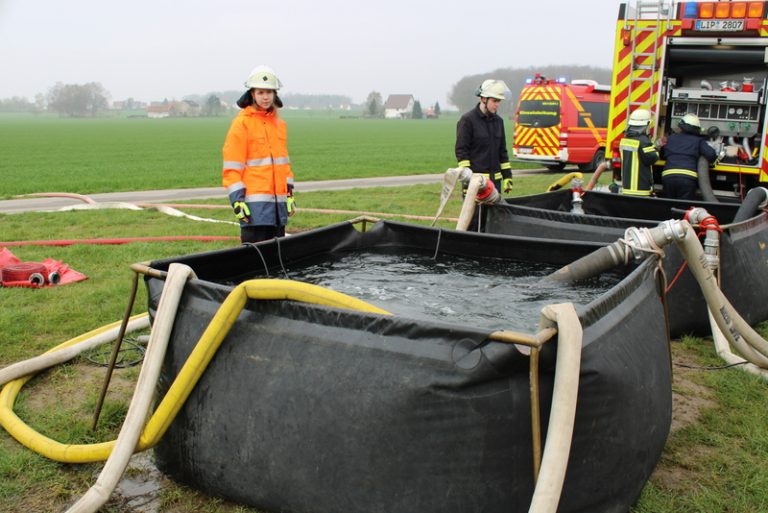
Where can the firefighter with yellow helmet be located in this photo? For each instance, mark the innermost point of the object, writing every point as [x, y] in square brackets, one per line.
[481, 141]
[637, 155]
[682, 152]
[256, 171]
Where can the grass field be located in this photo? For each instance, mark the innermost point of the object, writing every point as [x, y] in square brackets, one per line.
[111, 155]
[714, 459]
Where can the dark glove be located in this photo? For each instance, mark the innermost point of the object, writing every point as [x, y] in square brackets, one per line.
[242, 212]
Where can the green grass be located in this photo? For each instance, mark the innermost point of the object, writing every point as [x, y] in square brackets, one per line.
[718, 460]
[33, 321]
[118, 154]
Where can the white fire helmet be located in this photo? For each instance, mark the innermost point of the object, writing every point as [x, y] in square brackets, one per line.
[691, 119]
[263, 77]
[492, 89]
[640, 117]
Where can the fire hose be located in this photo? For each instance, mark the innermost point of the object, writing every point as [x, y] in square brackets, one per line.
[727, 325]
[481, 191]
[29, 274]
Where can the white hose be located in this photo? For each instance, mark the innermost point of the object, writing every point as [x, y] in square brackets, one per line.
[711, 260]
[469, 205]
[730, 323]
[98, 206]
[47, 360]
[727, 321]
[557, 448]
[141, 402]
[724, 351]
[178, 213]
[450, 179]
[747, 147]
[132, 206]
[477, 183]
[752, 346]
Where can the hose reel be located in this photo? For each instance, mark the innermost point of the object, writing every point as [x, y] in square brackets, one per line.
[28, 274]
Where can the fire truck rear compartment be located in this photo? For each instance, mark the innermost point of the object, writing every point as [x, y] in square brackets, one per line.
[725, 87]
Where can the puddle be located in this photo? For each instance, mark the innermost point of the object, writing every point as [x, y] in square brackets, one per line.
[139, 489]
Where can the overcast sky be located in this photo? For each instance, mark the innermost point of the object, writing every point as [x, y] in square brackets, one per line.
[150, 50]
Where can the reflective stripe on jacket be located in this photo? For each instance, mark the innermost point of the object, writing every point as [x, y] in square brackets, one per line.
[637, 156]
[481, 144]
[682, 153]
[256, 167]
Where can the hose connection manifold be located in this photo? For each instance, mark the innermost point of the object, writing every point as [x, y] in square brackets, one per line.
[710, 229]
[577, 204]
[487, 194]
[480, 191]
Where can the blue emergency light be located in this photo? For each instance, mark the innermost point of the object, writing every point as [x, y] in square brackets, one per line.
[691, 11]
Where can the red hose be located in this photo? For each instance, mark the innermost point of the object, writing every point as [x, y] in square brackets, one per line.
[19, 284]
[30, 273]
[122, 240]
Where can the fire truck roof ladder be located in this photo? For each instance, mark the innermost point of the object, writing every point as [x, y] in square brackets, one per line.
[650, 21]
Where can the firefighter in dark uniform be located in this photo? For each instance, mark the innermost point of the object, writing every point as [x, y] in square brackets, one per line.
[637, 155]
[481, 142]
[682, 152]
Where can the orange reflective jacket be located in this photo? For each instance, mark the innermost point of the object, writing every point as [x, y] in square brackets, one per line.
[256, 166]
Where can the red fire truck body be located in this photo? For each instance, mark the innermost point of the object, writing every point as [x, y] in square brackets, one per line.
[557, 123]
[706, 58]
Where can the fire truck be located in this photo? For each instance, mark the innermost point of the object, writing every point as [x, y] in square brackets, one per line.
[559, 123]
[706, 58]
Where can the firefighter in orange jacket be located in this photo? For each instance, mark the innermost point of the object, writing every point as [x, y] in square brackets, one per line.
[256, 170]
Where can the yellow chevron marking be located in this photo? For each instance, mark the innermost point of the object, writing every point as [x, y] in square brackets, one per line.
[587, 119]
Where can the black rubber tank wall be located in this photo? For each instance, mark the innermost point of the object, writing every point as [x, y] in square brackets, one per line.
[313, 409]
[743, 253]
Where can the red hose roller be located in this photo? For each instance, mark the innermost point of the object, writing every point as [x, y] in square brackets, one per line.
[29, 273]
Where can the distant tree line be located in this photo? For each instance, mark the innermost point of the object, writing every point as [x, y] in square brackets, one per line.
[91, 99]
[75, 100]
[463, 92]
[290, 100]
[316, 101]
[21, 104]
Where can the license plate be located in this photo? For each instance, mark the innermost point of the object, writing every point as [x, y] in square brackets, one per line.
[719, 25]
[525, 151]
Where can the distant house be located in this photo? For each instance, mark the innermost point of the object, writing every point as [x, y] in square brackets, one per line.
[186, 108]
[159, 110]
[398, 106]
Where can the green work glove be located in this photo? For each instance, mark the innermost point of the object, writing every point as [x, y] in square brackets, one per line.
[291, 206]
[506, 184]
[242, 212]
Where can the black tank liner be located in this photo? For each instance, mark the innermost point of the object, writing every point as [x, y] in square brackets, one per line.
[743, 262]
[314, 409]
